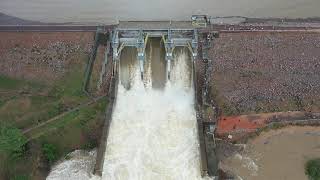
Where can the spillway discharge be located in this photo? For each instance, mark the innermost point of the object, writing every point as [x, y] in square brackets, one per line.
[153, 132]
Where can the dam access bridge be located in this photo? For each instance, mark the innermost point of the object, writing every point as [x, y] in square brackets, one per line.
[135, 34]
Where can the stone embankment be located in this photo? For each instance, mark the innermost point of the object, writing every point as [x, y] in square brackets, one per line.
[266, 72]
[41, 56]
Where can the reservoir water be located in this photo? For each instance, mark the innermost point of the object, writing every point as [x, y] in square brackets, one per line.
[111, 11]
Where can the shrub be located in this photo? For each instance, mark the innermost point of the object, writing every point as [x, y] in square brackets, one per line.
[8, 83]
[12, 141]
[21, 177]
[50, 152]
[228, 110]
[312, 169]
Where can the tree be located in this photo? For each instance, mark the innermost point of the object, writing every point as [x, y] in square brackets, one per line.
[12, 140]
[312, 169]
[50, 152]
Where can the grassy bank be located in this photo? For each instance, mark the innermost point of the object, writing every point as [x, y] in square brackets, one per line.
[78, 130]
[25, 104]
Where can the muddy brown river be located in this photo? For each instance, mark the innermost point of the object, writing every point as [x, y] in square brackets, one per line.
[277, 154]
[111, 11]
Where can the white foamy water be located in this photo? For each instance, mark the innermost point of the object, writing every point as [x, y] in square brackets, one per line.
[78, 167]
[153, 133]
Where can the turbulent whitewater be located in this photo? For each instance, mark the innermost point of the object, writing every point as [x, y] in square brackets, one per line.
[153, 132]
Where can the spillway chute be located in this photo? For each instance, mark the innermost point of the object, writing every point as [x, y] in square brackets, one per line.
[150, 126]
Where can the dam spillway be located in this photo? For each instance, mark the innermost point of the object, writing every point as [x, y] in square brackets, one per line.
[134, 34]
[152, 128]
[153, 133]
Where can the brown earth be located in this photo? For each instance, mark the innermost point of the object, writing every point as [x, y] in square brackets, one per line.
[256, 72]
[240, 125]
[40, 56]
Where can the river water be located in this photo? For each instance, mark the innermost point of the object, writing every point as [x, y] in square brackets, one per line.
[153, 133]
[111, 11]
[277, 154]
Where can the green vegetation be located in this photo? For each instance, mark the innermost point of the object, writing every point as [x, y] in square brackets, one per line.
[12, 141]
[9, 83]
[49, 101]
[12, 150]
[21, 177]
[78, 129]
[312, 169]
[76, 119]
[50, 152]
[228, 110]
[70, 86]
[26, 104]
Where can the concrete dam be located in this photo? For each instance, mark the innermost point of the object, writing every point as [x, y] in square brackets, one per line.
[153, 129]
[159, 123]
[168, 90]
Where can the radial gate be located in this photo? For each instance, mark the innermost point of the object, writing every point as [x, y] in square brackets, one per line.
[171, 36]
